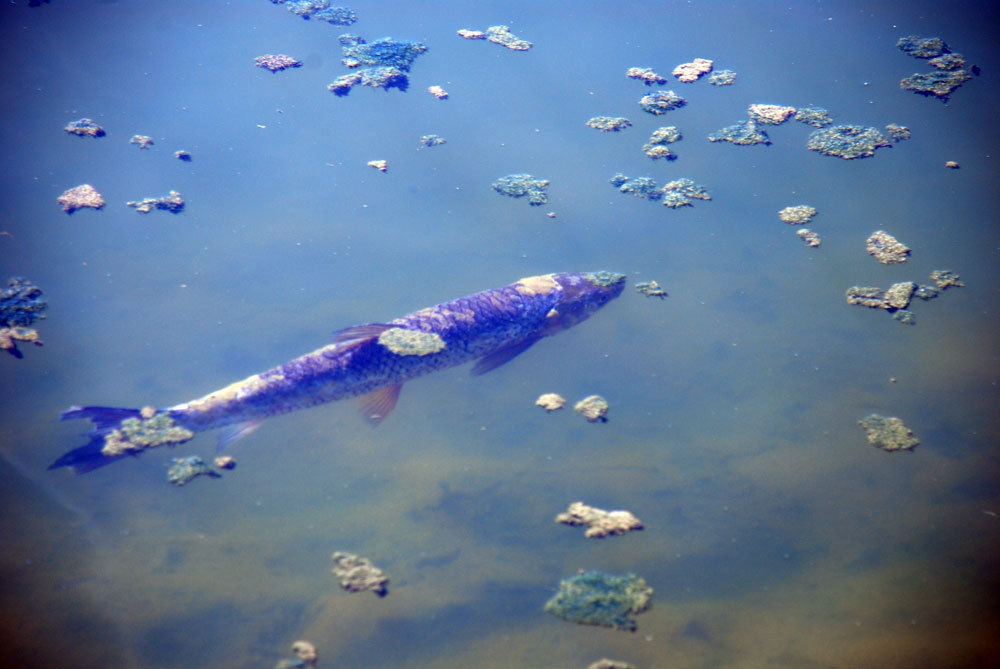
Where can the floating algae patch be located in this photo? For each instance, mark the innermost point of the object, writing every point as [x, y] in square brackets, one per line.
[935, 84]
[320, 10]
[504, 37]
[597, 598]
[680, 192]
[661, 102]
[743, 133]
[411, 342]
[276, 62]
[609, 123]
[148, 431]
[847, 141]
[797, 215]
[594, 408]
[85, 127]
[722, 78]
[186, 469]
[948, 61]
[305, 656]
[357, 574]
[945, 278]
[657, 146]
[172, 202]
[688, 72]
[432, 140]
[888, 433]
[600, 523]
[550, 402]
[809, 237]
[82, 196]
[650, 289]
[144, 141]
[770, 114]
[21, 302]
[523, 185]
[886, 249]
[897, 133]
[922, 47]
[817, 117]
[387, 61]
[646, 75]
[644, 187]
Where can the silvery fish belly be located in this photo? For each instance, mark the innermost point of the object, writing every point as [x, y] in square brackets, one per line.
[372, 361]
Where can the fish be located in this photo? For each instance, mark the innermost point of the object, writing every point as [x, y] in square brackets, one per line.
[370, 361]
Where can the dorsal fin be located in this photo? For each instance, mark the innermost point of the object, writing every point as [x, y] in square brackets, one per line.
[379, 403]
[501, 356]
[358, 333]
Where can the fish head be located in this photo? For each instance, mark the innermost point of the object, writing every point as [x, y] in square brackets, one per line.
[583, 293]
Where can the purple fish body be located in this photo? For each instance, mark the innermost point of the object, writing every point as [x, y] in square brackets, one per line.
[371, 361]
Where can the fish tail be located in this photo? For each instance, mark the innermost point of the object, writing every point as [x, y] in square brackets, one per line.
[89, 457]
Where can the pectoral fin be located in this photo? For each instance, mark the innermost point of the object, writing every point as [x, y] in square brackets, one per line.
[502, 356]
[231, 435]
[379, 403]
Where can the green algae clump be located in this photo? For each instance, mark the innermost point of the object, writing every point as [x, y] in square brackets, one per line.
[411, 342]
[847, 141]
[888, 433]
[185, 469]
[149, 431]
[609, 123]
[597, 598]
[521, 185]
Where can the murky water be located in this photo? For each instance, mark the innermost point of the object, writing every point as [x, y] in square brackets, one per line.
[774, 534]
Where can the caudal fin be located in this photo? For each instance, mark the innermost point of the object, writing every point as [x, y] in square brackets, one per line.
[89, 457]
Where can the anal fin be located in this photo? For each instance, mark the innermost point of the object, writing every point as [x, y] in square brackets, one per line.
[501, 356]
[379, 403]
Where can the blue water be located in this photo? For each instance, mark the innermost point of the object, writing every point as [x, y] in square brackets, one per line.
[774, 534]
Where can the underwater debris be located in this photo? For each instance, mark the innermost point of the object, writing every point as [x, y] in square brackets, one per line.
[661, 102]
[650, 289]
[770, 114]
[688, 72]
[897, 133]
[809, 237]
[225, 462]
[550, 402]
[886, 248]
[149, 430]
[183, 155]
[597, 598]
[605, 663]
[276, 62]
[600, 523]
[743, 133]
[797, 215]
[172, 202]
[679, 192]
[521, 185]
[945, 278]
[501, 35]
[357, 574]
[847, 141]
[817, 117]
[657, 147]
[320, 10]
[432, 140]
[185, 469]
[380, 165]
[82, 196]
[722, 78]
[645, 75]
[472, 34]
[85, 127]
[594, 408]
[888, 433]
[922, 47]
[411, 342]
[937, 84]
[609, 123]
[438, 92]
[144, 141]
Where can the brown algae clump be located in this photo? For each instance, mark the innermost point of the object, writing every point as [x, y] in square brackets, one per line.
[645, 75]
[550, 401]
[688, 72]
[597, 598]
[136, 434]
[600, 523]
[798, 215]
[411, 342]
[886, 248]
[82, 196]
[888, 433]
[357, 574]
[592, 408]
[770, 114]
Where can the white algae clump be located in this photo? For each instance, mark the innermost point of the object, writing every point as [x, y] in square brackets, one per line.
[809, 237]
[380, 165]
[743, 133]
[609, 123]
[501, 35]
[886, 248]
[847, 141]
[172, 202]
[225, 462]
[596, 598]
[688, 72]
[645, 75]
[888, 433]
[770, 114]
[357, 574]
[722, 78]
[85, 127]
[438, 92]
[650, 289]
[411, 342]
[550, 401]
[657, 147]
[144, 141]
[82, 196]
[276, 62]
[798, 215]
[523, 185]
[600, 523]
[592, 408]
[471, 34]
[148, 431]
[661, 102]
[185, 469]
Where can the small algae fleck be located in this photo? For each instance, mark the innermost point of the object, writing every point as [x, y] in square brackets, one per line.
[597, 598]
